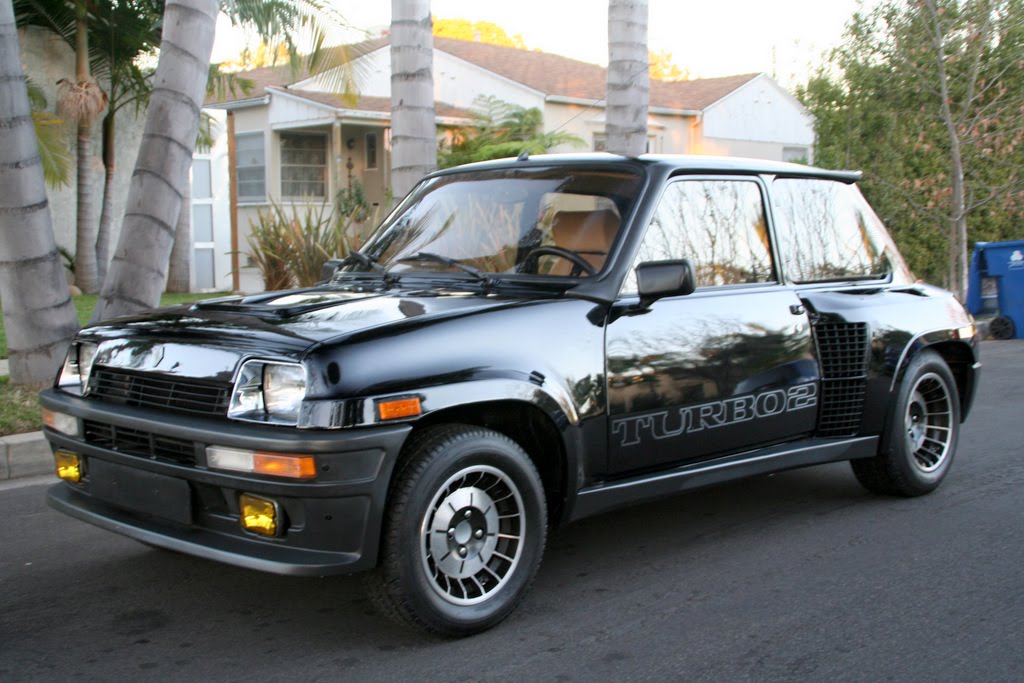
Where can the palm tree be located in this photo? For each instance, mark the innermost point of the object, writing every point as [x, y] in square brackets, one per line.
[82, 101]
[117, 35]
[38, 314]
[137, 272]
[629, 81]
[123, 32]
[413, 130]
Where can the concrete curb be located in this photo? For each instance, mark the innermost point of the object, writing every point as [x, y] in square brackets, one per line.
[24, 455]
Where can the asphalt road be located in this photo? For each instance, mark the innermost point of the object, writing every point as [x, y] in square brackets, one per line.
[797, 576]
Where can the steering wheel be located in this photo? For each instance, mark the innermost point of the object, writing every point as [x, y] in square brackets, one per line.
[579, 263]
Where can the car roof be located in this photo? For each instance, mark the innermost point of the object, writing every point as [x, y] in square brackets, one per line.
[673, 163]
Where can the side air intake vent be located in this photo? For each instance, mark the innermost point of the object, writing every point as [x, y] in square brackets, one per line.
[843, 354]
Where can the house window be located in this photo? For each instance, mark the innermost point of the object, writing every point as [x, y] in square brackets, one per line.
[798, 155]
[250, 167]
[371, 151]
[303, 165]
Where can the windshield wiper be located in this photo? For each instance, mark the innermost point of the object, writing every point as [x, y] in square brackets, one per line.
[364, 260]
[448, 261]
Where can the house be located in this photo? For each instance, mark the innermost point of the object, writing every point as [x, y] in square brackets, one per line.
[297, 141]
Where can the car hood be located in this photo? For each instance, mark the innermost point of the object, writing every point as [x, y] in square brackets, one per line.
[209, 339]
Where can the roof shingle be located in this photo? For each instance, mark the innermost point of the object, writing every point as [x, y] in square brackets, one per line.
[548, 73]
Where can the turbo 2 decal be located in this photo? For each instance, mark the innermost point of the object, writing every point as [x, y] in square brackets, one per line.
[673, 422]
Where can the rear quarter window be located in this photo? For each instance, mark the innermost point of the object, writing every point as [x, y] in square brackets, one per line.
[827, 232]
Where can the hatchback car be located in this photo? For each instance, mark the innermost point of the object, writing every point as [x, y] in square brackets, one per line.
[520, 344]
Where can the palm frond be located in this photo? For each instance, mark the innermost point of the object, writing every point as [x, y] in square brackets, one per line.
[221, 84]
[301, 22]
[208, 131]
[53, 148]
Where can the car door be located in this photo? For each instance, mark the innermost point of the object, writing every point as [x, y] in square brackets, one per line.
[727, 368]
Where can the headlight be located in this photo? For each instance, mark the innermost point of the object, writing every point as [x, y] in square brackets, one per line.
[74, 376]
[267, 391]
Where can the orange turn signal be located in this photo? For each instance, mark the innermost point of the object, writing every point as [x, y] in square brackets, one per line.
[294, 466]
[401, 407]
[260, 462]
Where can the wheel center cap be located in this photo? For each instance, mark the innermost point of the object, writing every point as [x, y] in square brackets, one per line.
[463, 532]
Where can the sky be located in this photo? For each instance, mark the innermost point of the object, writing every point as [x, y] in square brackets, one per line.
[783, 38]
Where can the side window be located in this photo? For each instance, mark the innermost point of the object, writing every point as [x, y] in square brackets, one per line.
[827, 232]
[371, 151]
[718, 224]
[250, 167]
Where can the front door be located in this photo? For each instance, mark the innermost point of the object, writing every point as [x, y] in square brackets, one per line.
[727, 368]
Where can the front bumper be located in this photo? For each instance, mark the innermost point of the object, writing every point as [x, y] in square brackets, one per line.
[331, 524]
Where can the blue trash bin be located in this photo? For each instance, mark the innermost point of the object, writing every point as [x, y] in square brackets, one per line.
[996, 286]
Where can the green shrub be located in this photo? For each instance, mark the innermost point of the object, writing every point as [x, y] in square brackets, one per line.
[290, 245]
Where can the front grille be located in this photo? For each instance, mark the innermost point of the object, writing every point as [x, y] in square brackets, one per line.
[159, 391]
[137, 442]
[843, 354]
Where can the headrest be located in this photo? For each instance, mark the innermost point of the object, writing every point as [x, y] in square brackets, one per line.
[585, 230]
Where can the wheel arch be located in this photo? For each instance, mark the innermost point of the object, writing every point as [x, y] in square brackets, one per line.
[959, 355]
[533, 429]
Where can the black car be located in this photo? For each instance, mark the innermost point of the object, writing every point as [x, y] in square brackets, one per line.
[520, 344]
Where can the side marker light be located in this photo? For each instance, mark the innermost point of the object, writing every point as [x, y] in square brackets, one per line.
[398, 408]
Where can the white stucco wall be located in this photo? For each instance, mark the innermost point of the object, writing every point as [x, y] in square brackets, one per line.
[760, 111]
[667, 134]
[46, 59]
[456, 82]
[772, 151]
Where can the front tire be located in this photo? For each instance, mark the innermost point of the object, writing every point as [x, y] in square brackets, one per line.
[924, 427]
[464, 532]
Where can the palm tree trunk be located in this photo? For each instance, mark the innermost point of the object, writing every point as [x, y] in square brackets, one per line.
[413, 128]
[179, 278]
[629, 80]
[39, 317]
[139, 268]
[107, 208]
[86, 276]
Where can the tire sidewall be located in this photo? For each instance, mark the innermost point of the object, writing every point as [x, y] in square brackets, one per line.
[478, 447]
[902, 458]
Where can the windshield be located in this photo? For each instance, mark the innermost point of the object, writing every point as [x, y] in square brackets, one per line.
[555, 222]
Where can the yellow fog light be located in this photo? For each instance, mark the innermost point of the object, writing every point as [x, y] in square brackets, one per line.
[259, 515]
[69, 466]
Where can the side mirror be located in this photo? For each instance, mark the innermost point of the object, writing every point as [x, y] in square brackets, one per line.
[656, 279]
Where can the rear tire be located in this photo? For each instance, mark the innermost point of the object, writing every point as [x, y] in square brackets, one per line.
[924, 427]
[464, 532]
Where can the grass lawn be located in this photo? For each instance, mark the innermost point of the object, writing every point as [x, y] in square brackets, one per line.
[19, 409]
[85, 303]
